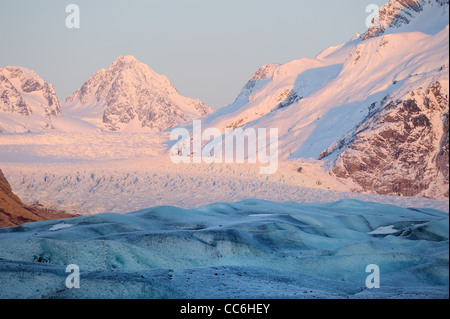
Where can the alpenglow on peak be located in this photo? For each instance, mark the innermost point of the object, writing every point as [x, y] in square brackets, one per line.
[130, 96]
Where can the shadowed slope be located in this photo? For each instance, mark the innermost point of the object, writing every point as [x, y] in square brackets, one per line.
[13, 212]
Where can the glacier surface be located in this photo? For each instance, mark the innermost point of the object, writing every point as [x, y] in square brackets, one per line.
[248, 249]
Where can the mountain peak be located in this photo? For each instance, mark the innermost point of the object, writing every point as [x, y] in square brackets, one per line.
[265, 72]
[129, 95]
[125, 61]
[126, 58]
[23, 93]
[428, 16]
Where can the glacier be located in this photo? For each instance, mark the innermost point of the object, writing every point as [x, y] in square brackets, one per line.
[361, 120]
[247, 249]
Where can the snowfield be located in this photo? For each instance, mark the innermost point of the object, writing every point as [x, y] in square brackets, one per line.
[249, 249]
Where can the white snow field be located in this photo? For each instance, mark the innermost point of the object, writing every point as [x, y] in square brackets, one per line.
[248, 249]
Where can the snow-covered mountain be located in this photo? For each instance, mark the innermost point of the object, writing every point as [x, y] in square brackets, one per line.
[27, 102]
[401, 147]
[129, 96]
[373, 110]
[409, 15]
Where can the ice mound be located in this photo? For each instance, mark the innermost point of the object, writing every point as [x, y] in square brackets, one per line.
[249, 249]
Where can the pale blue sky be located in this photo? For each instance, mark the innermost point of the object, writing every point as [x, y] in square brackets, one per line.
[208, 49]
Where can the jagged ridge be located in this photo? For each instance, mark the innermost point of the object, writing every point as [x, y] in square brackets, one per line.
[128, 94]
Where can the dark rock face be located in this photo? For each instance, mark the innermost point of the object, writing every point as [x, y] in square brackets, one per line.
[10, 99]
[442, 158]
[401, 148]
[31, 85]
[291, 99]
[5, 188]
[13, 212]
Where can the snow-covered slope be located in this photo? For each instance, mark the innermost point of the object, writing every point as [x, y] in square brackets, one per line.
[320, 105]
[410, 15]
[129, 96]
[250, 249]
[27, 102]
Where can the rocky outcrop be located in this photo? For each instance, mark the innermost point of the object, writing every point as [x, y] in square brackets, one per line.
[401, 148]
[27, 102]
[14, 212]
[399, 13]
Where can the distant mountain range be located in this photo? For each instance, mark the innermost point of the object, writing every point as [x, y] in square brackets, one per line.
[373, 110]
[127, 96]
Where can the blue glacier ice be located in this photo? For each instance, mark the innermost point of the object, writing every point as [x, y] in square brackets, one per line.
[248, 249]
